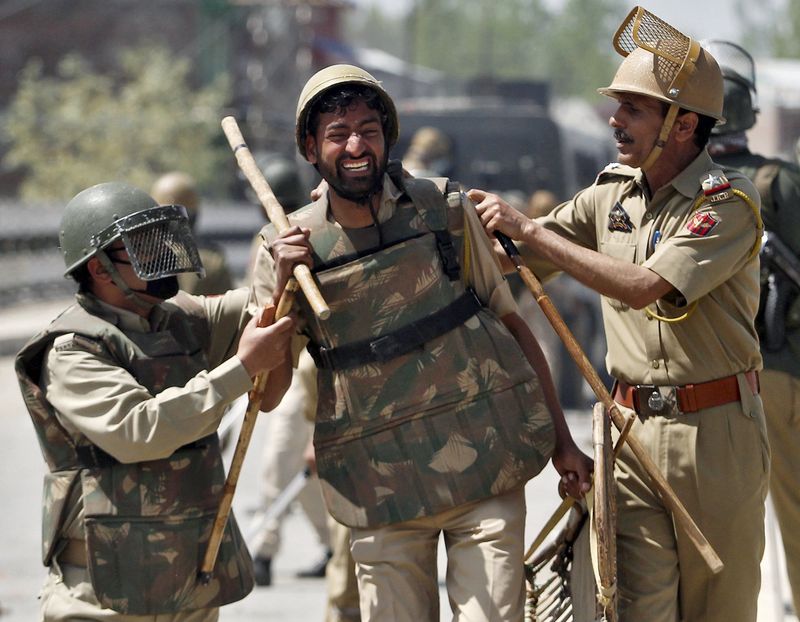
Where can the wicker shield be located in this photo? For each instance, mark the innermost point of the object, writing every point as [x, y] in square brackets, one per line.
[573, 578]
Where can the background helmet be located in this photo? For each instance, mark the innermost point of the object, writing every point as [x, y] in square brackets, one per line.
[338, 75]
[429, 152]
[157, 237]
[283, 176]
[177, 188]
[739, 74]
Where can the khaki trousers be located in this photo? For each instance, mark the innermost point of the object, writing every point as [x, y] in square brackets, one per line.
[67, 596]
[396, 565]
[717, 462]
[340, 577]
[781, 395]
[287, 435]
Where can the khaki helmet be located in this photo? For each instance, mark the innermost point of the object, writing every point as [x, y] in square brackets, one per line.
[177, 188]
[663, 63]
[338, 75]
[739, 73]
[157, 237]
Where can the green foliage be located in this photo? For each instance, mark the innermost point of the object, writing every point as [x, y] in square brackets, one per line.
[79, 128]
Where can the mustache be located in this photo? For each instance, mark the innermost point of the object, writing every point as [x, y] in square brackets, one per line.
[621, 137]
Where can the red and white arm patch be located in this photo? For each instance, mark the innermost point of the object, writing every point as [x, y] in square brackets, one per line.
[702, 223]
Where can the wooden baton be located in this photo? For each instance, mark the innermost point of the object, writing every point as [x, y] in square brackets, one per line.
[660, 484]
[243, 442]
[275, 212]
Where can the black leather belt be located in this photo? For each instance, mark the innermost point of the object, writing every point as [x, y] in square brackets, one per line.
[400, 341]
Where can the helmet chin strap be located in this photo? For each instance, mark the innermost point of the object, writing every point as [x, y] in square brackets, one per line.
[661, 141]
[116, 277]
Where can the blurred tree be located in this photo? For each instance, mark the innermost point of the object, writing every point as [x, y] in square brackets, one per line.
[783, 31]
[78, 128]
[519, 39]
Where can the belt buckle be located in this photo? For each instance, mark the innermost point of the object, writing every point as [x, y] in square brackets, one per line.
[648, 400]
[385, 348]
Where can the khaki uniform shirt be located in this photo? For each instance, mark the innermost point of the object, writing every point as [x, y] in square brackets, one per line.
[95, 397]
[480, 269]
[716, 269]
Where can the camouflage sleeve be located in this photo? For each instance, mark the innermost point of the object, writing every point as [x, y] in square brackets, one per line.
[97, 398]
[482, 268]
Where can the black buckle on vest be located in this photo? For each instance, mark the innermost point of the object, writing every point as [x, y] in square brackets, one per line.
[385, 348]
[447, 254]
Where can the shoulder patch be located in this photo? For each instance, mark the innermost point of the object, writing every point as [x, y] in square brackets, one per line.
[716, 186]
[702, 223]
[72, 341]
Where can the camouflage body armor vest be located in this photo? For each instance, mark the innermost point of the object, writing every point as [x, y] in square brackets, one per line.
[145, 523]
[412, 421]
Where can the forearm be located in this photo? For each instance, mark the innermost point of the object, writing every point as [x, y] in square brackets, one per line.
[535, 356]
[277, 383]
[634, 285]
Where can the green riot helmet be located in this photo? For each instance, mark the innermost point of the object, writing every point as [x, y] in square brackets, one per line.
[739, 75]
[337, 76]
[157, 238]
[283, 176]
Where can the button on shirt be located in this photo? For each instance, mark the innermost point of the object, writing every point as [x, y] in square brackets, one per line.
[717, 269]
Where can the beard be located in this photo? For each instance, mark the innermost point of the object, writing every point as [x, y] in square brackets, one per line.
[358, 189]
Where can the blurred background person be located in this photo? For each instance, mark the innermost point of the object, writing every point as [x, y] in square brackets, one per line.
[291, 424]
[778, 320]
[179, 188]
[429, 154]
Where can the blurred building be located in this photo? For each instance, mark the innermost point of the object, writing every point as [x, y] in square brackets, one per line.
[777, 126]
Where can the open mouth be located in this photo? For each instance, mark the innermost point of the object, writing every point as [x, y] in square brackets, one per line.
[356, 166]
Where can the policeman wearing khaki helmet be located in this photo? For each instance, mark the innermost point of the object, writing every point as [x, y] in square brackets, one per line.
[670, 241]
[126, 389]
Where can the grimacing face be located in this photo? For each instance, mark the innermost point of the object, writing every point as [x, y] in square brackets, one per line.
[349, 149]
[637, 122]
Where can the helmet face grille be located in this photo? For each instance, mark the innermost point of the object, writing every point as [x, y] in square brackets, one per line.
[160, 243]
[642, 29]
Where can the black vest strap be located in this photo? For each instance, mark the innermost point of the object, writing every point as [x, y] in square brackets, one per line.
[400, 341]
[432, 206]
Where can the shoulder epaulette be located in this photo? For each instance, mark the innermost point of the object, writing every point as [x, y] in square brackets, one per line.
[715, 186]
[73, 341]
[615, 170]
[717, 189]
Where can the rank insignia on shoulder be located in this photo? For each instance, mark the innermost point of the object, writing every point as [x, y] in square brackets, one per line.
[71, 341]
[702, 223]
[618, 219]
[716, 187]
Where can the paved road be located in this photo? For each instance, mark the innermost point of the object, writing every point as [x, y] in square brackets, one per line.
[289, 599]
